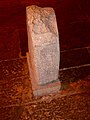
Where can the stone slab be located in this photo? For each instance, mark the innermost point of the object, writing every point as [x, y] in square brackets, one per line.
[43, 45]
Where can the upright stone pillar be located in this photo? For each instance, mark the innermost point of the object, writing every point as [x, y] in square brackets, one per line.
[43, 45]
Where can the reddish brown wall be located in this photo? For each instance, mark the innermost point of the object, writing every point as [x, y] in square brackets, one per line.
[73, 17]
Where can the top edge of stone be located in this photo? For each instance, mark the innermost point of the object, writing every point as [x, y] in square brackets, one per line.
[35, 6]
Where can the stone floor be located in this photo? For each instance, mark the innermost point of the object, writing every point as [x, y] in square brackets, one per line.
[72, 103]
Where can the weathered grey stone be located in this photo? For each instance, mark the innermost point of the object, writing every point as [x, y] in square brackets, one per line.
[43, 44]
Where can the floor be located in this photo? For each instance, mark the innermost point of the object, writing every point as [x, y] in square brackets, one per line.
[73, 106]
[71, 103]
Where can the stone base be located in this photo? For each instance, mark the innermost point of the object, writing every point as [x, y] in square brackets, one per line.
[47, 89]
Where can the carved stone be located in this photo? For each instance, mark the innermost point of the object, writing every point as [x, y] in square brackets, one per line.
[43, 45]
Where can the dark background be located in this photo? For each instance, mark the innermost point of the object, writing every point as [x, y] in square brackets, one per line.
[73, 18]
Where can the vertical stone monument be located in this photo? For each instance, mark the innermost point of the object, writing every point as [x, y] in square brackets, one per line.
[44, 54]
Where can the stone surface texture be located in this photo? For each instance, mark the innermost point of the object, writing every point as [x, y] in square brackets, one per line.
[43, 43]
